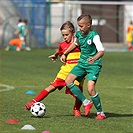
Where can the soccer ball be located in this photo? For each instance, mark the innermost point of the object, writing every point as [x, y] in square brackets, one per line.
[38, 109]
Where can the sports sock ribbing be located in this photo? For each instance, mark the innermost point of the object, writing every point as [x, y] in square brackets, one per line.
[77, 104]
[97, 103]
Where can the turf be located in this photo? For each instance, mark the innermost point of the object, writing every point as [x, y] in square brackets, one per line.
[34, 71]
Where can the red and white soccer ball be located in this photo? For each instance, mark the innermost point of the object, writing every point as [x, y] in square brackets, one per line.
[38, 109]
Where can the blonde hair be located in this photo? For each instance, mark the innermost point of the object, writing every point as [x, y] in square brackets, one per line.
[87, 18]
[67, 26]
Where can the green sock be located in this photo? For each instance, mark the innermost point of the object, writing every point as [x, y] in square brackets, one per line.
[97, 103]
[76, 91]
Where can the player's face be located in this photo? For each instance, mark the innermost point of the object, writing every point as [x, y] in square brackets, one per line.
[84, 27]
[67, 35]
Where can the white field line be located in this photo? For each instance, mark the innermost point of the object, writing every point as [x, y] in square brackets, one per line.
[6, 87]
[127, 87]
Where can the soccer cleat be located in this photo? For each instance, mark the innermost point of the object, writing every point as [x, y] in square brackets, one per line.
[76, 108]
[87, 109]
[100, 116]
[28, 105]
[77, 113]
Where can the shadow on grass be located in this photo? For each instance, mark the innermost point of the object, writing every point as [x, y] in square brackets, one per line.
[93, 115]
[108, 115]
[44, 117]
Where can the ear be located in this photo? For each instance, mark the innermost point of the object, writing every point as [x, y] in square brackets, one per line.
[74, 32]
[89, 25]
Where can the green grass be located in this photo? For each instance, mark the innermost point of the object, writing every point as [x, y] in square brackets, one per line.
[34, 71]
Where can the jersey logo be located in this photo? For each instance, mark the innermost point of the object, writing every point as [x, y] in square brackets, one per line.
[89, 42]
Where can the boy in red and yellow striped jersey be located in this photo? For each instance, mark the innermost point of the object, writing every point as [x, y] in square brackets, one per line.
[129, 37]
[67, 30]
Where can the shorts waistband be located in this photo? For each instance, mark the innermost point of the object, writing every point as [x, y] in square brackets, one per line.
[72, 61]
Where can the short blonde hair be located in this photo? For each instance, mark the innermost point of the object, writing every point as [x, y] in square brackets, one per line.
[87, 18]
[67, 26]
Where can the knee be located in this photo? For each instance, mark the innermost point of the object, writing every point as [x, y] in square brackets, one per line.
[91, 92]
[70, 85]
[67, 81]
[70, 79]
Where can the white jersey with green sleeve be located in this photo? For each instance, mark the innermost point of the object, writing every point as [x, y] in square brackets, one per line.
[89, 45]
[22, 29]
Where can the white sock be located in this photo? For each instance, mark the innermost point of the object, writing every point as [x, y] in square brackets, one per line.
[86, 102]
[102, 113]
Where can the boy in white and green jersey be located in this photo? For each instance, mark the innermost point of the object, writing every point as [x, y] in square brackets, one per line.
[21, 29]
[89, 64]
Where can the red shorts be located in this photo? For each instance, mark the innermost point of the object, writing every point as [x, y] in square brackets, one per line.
[60, 83]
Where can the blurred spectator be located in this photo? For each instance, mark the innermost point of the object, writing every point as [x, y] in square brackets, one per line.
[129, 36]
[25, 31]
[19, 44]
[15, 44]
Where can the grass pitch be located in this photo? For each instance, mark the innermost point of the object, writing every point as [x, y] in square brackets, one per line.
[34, 71]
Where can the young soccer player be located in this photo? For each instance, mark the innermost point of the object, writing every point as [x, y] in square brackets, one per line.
[129, 37]
[15, 44]
[89, 63]
[21, 30]
[67, 31]
[25, 31]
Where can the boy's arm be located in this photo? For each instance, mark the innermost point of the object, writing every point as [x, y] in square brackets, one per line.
[99, 48]
[69, 49]
[96, 57]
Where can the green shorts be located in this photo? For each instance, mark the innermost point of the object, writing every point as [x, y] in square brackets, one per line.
[81, 70]
[12, 47]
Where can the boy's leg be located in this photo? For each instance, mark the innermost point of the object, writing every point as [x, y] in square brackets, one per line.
[96, 100]
[58, 83]
[39, 97]
[78, 103]
[93, 75]
[76, 108]
[97, 104]
[78, 73]
[77, 92]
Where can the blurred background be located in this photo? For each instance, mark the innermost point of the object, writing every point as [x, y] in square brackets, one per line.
[110, 20]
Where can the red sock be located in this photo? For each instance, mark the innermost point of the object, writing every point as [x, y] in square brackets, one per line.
[41, 95]
[77, 105]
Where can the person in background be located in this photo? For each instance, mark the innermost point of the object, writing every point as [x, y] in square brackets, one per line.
[90, 64]
[21, 30]
[25, 31]
[129, 36]
[19, 44]
[15, 44]
[67, 31]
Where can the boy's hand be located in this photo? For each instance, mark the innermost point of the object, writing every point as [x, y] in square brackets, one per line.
[63, 59]
[53, 57]
[91, 60]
